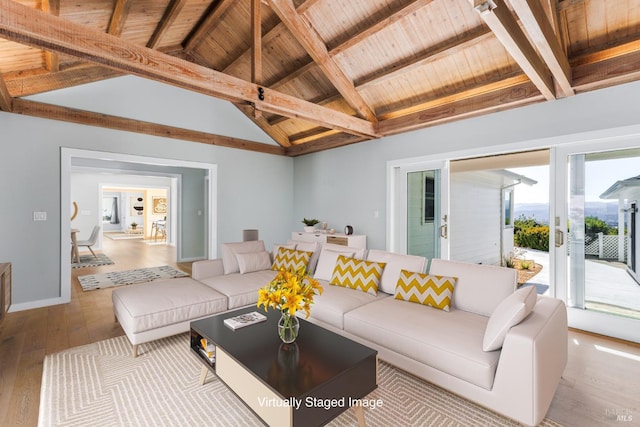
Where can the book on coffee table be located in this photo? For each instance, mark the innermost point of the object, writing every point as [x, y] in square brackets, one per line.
[243, 320]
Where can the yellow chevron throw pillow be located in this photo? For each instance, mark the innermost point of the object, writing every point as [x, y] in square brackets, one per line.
[427, 289]
[357, 274]
[291, 259]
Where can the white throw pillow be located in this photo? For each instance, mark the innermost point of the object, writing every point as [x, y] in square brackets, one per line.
[511, 311]
[254, 261]
[230, 250]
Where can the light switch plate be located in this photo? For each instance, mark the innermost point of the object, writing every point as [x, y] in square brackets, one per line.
[39, 216]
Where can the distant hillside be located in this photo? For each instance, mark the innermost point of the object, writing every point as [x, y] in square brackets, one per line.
[608, 212]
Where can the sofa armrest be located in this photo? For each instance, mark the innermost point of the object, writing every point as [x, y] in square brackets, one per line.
[207, 268]
[532, 360]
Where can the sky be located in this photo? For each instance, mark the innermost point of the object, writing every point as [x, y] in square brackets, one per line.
[600, 175]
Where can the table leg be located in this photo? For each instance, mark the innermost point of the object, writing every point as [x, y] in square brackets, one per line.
[359, 411]
[203, 375]
[75, 254]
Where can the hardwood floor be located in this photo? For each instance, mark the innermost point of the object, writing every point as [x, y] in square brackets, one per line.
[27, 336]
[600, 385]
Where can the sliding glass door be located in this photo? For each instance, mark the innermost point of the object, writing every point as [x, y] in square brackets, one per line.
[598, 190]
[419, 214]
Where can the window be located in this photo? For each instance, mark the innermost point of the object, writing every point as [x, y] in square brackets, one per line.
[507, 200]
[429, 198]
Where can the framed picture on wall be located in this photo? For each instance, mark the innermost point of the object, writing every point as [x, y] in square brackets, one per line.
[159, 205]
[137, 206]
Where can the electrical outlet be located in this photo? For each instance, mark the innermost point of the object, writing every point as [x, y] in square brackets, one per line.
[39, 216]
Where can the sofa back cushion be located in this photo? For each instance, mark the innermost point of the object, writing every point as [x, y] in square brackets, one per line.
[313, 247]
[229, 251]
[426, 289]
[479, 288]
[357, 274]
[329, 256]
[394, 263]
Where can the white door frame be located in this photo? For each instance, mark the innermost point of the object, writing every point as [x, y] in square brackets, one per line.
[66, 156]
[397, 201]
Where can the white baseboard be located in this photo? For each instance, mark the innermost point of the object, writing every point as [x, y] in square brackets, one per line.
[37, 304]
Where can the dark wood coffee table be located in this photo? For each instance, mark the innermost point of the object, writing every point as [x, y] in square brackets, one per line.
[307, 383]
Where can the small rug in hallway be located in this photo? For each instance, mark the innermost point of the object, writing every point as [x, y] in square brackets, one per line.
[122, 236]
[100, 384]
[129, 277]
[92, 261]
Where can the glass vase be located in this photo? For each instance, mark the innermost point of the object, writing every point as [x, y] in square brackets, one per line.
[288, 328]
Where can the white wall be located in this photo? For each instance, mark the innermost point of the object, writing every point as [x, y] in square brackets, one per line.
[475, 217]
[254, 189]
[347, 185]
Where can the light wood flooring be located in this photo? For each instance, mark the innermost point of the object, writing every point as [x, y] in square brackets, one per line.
[600, 386]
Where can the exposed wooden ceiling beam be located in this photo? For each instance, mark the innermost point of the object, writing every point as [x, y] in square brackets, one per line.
[617, 65]
[6, 102]
[505, 27]
[170, 15]
[256, 42]
[207, 25]
[541, 32]
[380, 25]
[72, 115]
[25, 25]
[261, 121]
[51, 60]
[313, 44]
[69, 77]
[119, 17]
[483, 103]
[325, 143]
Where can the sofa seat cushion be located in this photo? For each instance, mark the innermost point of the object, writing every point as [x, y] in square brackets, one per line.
[160, 303]
[240, 289]
[448, 341]
[335, 301]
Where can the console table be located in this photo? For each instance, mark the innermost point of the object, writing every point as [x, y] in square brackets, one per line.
[351, 240]
[5, 288]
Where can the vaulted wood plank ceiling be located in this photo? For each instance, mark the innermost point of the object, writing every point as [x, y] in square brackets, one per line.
[319, 74]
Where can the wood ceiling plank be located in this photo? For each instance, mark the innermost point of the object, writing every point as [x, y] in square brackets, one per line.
[170, 15]
[6, 102]
[484, 103]
[306, 5]
[380, 25]
[505, 27]
[207, 26]
[25, 25]
[447, 48]
[119, 17]
[313, 44]
[69, 77]
[541, 32]
[72, 115]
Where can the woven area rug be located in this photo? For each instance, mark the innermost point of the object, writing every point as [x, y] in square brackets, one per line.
[100, 384]
[129, 277]
[91, 261]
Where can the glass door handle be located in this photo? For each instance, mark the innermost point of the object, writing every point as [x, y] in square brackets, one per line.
[559, 238]
[443, 231]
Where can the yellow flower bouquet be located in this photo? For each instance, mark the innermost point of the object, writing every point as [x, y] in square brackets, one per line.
[289, 292]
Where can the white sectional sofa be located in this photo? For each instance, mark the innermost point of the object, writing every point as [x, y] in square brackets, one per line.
[481, 348]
